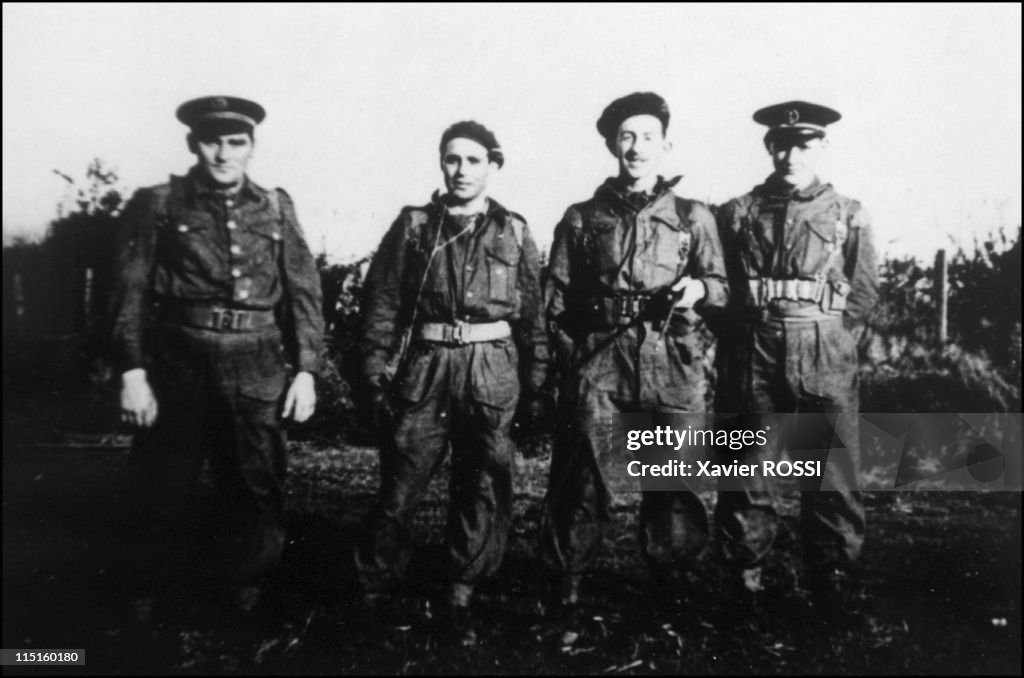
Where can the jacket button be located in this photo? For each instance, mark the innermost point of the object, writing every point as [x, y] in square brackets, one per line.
[232, 225]
[236, 272]
[243, 294]
[235, 249]
[469, 294]
[230, 202]
[182, 228]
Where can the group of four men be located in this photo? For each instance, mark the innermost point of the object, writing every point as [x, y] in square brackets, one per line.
[461, 336]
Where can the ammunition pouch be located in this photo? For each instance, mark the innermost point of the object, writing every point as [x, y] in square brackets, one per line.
[828, 295]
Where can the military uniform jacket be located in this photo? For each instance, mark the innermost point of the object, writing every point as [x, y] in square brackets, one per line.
[611, 247]
[183, 243]
[478, 270]
[775, 233]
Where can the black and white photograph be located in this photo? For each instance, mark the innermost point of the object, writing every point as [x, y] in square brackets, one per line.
[570, 338]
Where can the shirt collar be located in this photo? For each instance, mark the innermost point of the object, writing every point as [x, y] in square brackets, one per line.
[774, 188]
[637, 200]
[493, 206]
[202, 189]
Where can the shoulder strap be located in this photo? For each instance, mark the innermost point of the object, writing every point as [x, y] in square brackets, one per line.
[418, 218]
[517, 225]
[684, 209]
[162, 194]
[842, 225]
[274, 196]
[835, 248]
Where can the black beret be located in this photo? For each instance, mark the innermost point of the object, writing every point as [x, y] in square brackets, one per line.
[470, 129]
[796, 118]
[221, 113]
[637, 103]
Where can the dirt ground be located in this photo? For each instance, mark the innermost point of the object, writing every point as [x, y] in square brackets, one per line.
[941, 576]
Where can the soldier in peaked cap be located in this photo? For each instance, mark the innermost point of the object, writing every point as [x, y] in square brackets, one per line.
[803, 276]
[796, 120]
[460, 277]
[217, 300]
[223, 114]
[622, 348]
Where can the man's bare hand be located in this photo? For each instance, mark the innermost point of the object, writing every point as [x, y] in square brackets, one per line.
[138, 404]
[690, 291]
[301, 399]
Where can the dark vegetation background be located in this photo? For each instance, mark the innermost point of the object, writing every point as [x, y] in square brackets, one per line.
[942, 569]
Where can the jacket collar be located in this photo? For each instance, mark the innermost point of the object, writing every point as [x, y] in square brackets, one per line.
[612, 189]
[202, 189]
[774, 188]
[494, 208]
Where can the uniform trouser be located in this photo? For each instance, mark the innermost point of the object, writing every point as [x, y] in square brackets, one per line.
[218, 396]
[458, 396]
[810, 368]
[637, 373]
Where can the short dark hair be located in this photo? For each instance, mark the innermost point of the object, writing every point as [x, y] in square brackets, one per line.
[470, 129]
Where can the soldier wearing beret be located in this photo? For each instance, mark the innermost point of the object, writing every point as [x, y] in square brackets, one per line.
[217, 300]
[621, 348]
[803, 275]
[453, 297]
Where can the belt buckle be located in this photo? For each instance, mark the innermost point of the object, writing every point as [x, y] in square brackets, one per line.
[221, 319]
[460, 332]
[229, 319]
[626, 308]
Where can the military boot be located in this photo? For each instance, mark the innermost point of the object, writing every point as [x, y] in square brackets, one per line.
[457, 623]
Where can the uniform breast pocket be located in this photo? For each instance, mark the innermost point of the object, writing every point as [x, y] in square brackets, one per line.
[603, 246]
[188, 248]
[816, 245]
[502, 263]
[670, 247]
[261, 242]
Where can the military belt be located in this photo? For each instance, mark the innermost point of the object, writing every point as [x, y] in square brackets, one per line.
[218, 318]
[763, 291]
[619, 309]
[809, 299]
[796, 314]
[463, 332]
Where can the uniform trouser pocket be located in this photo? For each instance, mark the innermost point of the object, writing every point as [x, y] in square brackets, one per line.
[219, 400]
[466, 401]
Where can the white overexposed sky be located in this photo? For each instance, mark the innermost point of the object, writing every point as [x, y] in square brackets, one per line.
[357, 97]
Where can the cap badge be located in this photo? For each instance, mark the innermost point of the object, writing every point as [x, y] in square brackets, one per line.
[220, 103]
[792, 116]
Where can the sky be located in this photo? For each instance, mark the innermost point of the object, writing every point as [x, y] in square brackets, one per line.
[357, 97]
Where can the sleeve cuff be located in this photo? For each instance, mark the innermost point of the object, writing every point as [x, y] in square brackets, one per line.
[716, 294]
[309, 361]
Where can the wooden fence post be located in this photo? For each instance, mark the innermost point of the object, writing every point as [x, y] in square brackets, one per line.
[942, 292]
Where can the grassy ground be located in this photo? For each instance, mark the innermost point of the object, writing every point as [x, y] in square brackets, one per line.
[942, 572]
